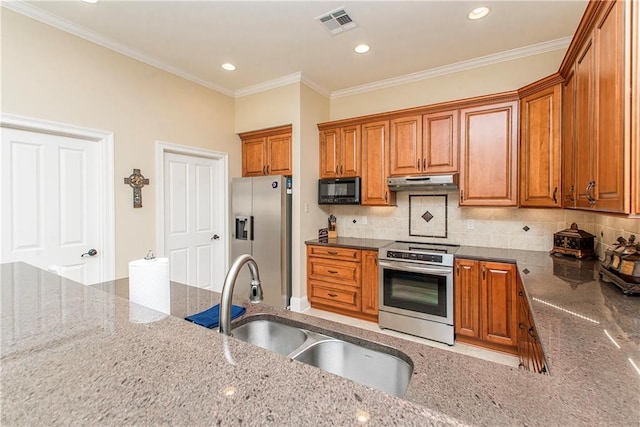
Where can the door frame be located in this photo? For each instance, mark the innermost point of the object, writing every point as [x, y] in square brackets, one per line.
[104, 175]
[162, 148]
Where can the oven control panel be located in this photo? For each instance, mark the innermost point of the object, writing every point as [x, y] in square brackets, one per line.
[415, 256]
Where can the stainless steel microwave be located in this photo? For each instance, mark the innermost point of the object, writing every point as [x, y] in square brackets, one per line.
[339, 191]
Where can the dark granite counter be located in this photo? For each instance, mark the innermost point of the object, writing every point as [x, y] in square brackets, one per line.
[351, 242]
[72, 355]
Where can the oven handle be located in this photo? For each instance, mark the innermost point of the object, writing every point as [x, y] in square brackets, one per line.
[403, 266]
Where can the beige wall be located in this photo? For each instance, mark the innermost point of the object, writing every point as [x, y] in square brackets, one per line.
[314, 110]
[303, 108]
[501, 77]
[52, 75]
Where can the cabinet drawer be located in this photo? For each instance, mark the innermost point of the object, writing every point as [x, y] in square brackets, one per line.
[347, 254]
[330, 270]
[341, 297]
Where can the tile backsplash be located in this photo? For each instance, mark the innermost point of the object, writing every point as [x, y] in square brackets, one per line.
[511, 228]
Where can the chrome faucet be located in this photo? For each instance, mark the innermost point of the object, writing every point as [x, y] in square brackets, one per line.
[255, 291]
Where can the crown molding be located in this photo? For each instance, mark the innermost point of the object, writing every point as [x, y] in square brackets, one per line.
[482, 61]
[38, 14]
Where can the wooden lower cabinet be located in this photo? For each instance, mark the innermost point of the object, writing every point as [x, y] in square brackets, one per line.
[343, 280]
[485, 312]
[529, 348]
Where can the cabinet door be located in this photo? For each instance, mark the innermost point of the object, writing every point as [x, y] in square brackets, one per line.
[540, 149]
[279, 152]
[375, 167]
[254, 157]
[440, 143]
[370, 285]
[405, 151]
[609, 149]
[467, 299]
[489, 155]
[499, 304]
[329, 143]
[583, 119]
[568, 142]
[350, 151]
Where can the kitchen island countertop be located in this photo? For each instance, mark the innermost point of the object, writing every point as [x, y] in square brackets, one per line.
[71, 354]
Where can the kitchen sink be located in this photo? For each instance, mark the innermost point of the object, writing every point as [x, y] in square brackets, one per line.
[270, 335]
[360, 364]
[372, 364]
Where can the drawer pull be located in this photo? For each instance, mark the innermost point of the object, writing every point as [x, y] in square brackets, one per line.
[333, 295]
[332, 272]
[332, 253]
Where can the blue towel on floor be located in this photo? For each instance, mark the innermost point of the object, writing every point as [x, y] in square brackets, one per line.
[210, 318]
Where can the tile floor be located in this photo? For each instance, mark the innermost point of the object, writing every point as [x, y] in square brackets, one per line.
[469, 350]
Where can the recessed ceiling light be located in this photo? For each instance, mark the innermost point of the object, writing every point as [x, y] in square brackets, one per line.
[478, 13]
[229, 67]
[362, 48]
[90, 1]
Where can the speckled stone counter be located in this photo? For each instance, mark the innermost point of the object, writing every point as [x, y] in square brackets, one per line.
[352, 242]
[71, 355]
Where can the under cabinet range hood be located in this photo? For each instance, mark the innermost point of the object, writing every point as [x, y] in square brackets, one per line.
[423, 183]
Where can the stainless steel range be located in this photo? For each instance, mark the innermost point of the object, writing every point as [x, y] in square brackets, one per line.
[416, 289]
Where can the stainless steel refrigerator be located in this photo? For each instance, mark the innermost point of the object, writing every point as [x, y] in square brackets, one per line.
[261, 212]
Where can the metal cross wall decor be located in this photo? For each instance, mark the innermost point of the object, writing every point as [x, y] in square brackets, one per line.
[136, 181]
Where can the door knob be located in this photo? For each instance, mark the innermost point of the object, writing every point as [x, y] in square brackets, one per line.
[215, 237]
[90, 252]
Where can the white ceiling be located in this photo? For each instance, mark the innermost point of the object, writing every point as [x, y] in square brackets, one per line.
[270, 40]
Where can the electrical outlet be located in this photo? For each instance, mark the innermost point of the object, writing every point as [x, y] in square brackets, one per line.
[470, 224]
[363, 221]
[306, 208]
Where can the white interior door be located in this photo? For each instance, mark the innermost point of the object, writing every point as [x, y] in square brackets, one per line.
[50, 201]
[195, 238]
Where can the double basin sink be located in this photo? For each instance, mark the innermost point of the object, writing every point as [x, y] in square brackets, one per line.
[366, 362]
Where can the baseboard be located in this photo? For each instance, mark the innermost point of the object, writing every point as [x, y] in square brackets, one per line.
[299, 305]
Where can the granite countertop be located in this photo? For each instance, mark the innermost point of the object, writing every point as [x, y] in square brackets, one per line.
[71, 355]
[351, 242]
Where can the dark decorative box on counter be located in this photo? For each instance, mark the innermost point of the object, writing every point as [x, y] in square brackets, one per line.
[574, 241]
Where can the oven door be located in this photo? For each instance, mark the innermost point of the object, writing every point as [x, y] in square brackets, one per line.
[417, 290]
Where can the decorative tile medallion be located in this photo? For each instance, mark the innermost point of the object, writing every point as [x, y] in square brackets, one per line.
[428, 215]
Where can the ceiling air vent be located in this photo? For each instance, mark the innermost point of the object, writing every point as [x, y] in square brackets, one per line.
[337, 21]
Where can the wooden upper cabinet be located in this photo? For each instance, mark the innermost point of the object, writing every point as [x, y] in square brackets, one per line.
[440, 143]
[254, 156]
[279, 155]
[340, 152]
[599, 118]
[405, 152]
[329, 152]
[375, 164]
[568, 141]
[488, 154]
[584, 126]
[610, 151]
[635, 106]
[426, 144]
[267, 152]
[540, 165]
